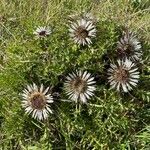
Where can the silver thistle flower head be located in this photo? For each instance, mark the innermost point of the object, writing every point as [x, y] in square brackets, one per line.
[129, 47]
[37, 101]
[42, 32]
[123, 76]
[79, 86]
[82, 31]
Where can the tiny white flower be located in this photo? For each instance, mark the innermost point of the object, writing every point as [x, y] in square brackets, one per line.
[123, 76]
[79, 86]
[129, 46]
[73, 17]
[89, 17]
[42, 32]
[36, 101]
[82, 31]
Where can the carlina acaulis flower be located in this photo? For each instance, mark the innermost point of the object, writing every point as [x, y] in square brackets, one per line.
[82, 31]
[129, 46]
[37, 101]
[42, 32]
[79, 86]
[123, 75]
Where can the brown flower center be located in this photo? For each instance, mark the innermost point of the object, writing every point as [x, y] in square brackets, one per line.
[81, 32]
[127, 49]
[42, 33]
[79, 85]
[37, 100]
[121, 75]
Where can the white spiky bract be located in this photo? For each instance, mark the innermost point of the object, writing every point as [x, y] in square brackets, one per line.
[123, 76]
[129, 46]
[79, 86]
[36, 101]
[42, 32]
[82, 31]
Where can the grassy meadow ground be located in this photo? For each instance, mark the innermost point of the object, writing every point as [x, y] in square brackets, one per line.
[110, 120]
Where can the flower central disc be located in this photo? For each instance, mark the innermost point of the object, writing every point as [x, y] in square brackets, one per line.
[81, 32]
[128, 49]
[42, 33]
[37, 100]
[121, 75]
[79, 85]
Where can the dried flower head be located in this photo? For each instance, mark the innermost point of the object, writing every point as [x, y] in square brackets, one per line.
[129, 47]
[42, 32]
[80, 86]
[123, 76]
[37, 101]
[82, 31]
